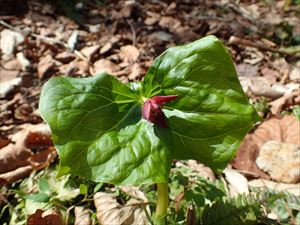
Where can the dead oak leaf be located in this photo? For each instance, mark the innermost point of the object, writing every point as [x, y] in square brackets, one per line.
[285, 129]
[45, 218]
[82, 216]
[285, 101]
[129, 54]
[18, 158]
[109, 211]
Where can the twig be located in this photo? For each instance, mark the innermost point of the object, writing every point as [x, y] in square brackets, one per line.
[241, 11]
[214, 18]
[132, 31]
[7, 17]
[233, 40]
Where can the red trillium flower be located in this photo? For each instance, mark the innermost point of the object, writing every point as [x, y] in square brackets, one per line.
[152, 109]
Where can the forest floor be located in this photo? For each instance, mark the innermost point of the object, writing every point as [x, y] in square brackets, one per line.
[40, 40]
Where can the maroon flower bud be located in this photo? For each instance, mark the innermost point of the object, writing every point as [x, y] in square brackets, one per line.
[152, 109]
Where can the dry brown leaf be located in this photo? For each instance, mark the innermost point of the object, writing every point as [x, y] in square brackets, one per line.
[24, 62]
[136, 71]
[203, 170]
[12, 64]
[40, 217]
[247, 70]
[10, 85]
[134, 192]
[128, 8]
[109, 211]
[261, 86]
[238, 184]
[129, 54]
[104, 66]
[245, 159]
[4, 142]
[16, 174]
[42, 158]
[286, 129]
[15, 155]
[90, 52]
[284, 102]
[47, 66]
[82, 216]
[169, 22]
[109, 45]
[295, 73]
[17, 158]
[65, 57]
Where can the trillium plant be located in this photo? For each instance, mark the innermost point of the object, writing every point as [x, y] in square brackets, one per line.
[190, 105]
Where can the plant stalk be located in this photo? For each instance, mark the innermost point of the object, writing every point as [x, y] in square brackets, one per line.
[162, 203]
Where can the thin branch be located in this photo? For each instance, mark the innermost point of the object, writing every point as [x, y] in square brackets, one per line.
[132, 31]
[238, 41]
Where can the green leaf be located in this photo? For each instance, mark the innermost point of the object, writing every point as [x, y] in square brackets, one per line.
[83, 189]
[97, 187]
[97, 128]
[43, 185]
[39, 197]
[296, 111]
[212, 113]
[100, 134]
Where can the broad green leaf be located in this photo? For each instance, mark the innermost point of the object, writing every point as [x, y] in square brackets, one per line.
[43, 185]
[100, 134]
[39, 197]
[212, 113]
[98, 131]
[83, 189]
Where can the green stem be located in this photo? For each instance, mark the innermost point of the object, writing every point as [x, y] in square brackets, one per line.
[162, 203]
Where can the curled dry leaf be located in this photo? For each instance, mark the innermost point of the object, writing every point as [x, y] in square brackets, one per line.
[135, 193]
[135, 72]
[286, 129]
[129, 54]
[104, 66]
[245, 159]
[285, 101]
[47, 66]
[50, 217]
[204, 171]
[261, 86]
[17, 158]
[109, 211]
[82, 216]
[238, 183]
[90, 52]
